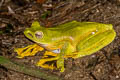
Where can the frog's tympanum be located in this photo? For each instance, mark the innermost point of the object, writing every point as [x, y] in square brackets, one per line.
[70, 40]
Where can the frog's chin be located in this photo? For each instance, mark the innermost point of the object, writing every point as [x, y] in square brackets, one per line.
[44, 45]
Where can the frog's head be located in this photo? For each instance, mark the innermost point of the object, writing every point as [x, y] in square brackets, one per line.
[37, 33]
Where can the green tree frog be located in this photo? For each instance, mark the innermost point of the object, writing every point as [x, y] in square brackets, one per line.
[73, 39]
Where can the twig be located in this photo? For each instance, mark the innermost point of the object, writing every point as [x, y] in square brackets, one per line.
[86, 10]
[1, 3]
[10, 10]
[26, 70]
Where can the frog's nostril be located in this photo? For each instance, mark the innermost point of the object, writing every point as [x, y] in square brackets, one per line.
[30, 35]
[38, 34]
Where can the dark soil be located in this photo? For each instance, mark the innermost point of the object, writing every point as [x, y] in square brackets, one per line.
[16, 15]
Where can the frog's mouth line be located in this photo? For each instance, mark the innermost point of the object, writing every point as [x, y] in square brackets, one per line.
[57, 51]
[43, 45]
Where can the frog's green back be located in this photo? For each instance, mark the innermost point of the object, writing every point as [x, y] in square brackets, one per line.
[77, 29]
[71, 25]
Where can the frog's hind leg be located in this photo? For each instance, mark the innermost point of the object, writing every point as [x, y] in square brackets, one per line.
[95, 43]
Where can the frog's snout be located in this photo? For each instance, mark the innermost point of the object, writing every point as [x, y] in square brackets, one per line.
[28, 34]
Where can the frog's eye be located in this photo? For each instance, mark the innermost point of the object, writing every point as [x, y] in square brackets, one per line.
[38, 34]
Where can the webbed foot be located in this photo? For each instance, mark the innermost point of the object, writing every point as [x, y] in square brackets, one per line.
[43, 63]
[30, 50]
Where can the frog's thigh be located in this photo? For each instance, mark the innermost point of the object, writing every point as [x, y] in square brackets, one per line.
[94, 44]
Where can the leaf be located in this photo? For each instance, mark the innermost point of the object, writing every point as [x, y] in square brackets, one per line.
[26, 69]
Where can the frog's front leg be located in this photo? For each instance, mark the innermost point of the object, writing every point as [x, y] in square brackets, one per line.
[66, 49]
[60, 61]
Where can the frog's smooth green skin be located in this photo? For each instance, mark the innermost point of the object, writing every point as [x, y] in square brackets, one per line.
[73, 39]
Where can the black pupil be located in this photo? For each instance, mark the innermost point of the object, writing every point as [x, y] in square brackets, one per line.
[38, 35]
